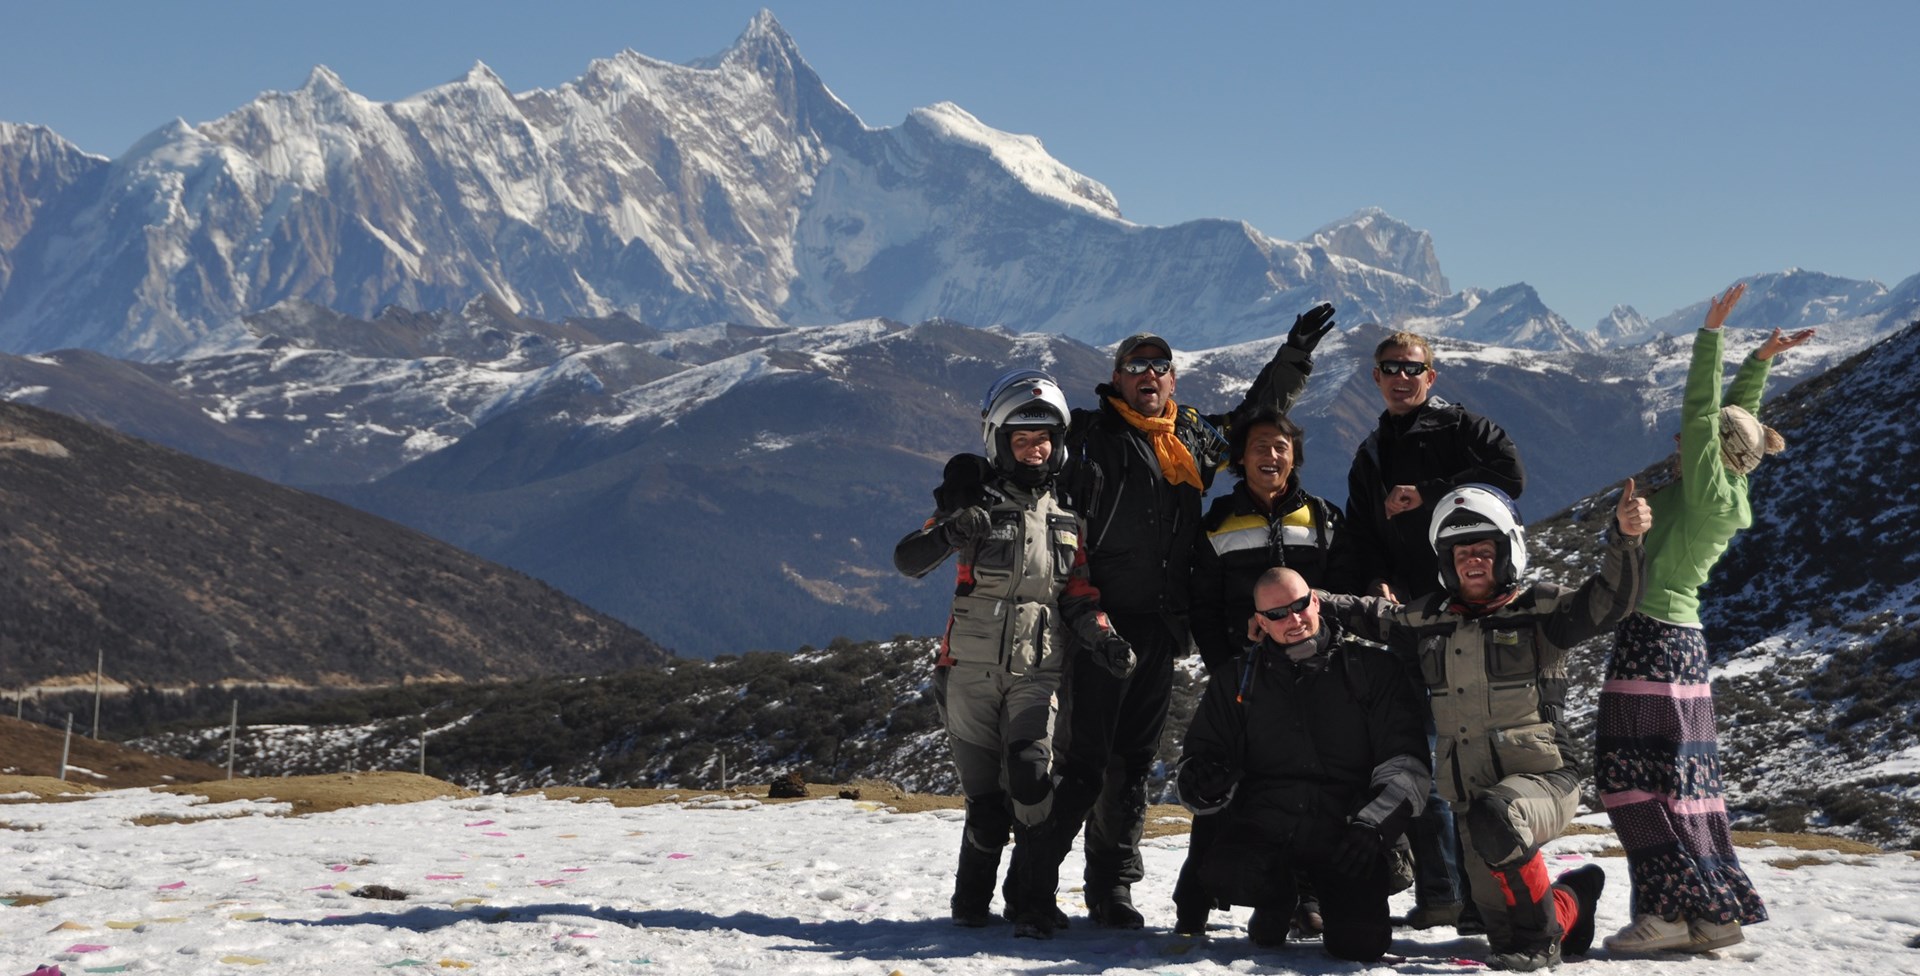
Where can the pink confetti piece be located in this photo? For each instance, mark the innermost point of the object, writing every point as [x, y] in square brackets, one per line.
[1472, 963]
[678, 857]
[550, 882]
[445, 877]
[176, 886]
[336, 867]
[572, 870]
[86, 947]
[493, 833]
[253, 880]
[519, 855]
[581, 935]
[479, 823]
[319, 888]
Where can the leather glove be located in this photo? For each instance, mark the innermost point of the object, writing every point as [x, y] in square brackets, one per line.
[1207, 783]
[961, 483]
[1113, 653]
[967, 525]
[1359, 850]
[1309, 326]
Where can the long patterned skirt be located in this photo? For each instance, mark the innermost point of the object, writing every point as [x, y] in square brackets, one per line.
[1658, 767]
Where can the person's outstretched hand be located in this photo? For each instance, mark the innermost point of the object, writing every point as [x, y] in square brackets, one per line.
[1309, 326]
[1778, 343]
[1632, 514]
[1718, 308]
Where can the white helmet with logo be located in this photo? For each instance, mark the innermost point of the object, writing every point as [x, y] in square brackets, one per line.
[1471, 513]
[1024, 398]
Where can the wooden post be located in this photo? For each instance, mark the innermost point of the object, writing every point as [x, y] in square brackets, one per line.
[423, 750]
[233, 733]
[66, 748]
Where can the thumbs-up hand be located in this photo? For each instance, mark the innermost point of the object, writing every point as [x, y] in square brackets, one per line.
[1632, 513]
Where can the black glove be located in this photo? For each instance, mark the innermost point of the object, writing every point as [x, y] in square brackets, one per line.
[1309, 326]
[1113, 653]
[1206, 783]
[967, 524]
[1359, 850]
[962, 483]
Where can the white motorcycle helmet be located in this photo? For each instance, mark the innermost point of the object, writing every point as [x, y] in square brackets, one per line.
[1471, 513]
[1024, 398]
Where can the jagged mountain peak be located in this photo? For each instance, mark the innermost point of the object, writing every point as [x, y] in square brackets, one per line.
[1623, 325]
[1373, 237]
[323, 79]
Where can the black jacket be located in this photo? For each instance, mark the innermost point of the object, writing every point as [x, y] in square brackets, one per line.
[1241, 541]
[1141, 529]
[1437, 448]
[1313, 743]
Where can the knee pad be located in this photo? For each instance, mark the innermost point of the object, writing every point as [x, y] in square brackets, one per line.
[989, 819]
[1029, 772]
[1496, 837]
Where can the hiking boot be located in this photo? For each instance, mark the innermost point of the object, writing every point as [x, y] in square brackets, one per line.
[1526, 960]
[1307, 923]
[1470, 922]
[1649, 933]
[1704, 936]
[1268, 928]
[971, 917]
[1190, 918]
[1585, 884]
[973, 887]
[1434, 915]
[1116, 911]
[1034, 923]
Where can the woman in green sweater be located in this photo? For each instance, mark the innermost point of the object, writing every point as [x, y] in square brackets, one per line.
[1657, 761]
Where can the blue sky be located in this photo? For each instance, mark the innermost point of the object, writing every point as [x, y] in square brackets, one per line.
[1645, 154]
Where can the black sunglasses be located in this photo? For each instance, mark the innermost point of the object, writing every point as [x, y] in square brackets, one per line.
[1395, 367]
[1134, 367]
[1287, 610]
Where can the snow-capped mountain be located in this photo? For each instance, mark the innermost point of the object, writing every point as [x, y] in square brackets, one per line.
[1623, 326]
[1796, 299]
[734, 189]
[1372, 237]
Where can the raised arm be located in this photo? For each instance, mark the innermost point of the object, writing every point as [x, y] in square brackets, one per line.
[1607, 597]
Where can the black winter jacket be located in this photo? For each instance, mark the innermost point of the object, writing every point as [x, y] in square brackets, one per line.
[1437, 448]
[1242, 541]
[1141, 529]
[1313, 743]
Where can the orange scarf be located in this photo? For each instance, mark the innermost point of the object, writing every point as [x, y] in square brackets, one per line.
[1176, 464]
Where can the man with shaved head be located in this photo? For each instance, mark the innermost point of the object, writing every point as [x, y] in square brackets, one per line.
[1311, 748]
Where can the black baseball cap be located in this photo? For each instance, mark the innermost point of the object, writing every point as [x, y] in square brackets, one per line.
[1125, 350]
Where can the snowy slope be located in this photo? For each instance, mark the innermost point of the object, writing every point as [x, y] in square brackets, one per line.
[712, 884]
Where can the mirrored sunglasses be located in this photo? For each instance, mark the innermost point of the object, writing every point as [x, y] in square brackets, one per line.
[1134, 367]
[1287, 610]
[1397, 367]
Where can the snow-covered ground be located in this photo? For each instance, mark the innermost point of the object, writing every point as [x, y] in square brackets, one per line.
[710, 885]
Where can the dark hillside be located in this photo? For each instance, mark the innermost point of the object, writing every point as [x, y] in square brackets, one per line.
[1813, 614]
[184, 572]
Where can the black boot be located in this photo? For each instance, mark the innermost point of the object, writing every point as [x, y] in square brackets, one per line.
[973, 886]
[1113, 908]
[1585, 884]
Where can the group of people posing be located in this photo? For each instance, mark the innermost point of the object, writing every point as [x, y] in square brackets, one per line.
[1384, 682]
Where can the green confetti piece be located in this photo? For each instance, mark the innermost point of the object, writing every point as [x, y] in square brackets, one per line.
[107, 969]
[404, 962]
